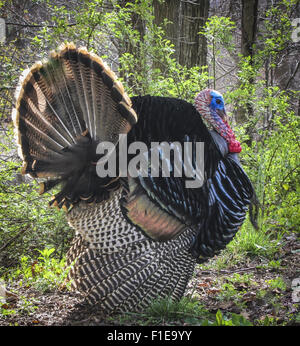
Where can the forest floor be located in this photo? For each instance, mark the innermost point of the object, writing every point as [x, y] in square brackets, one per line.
[263, 293]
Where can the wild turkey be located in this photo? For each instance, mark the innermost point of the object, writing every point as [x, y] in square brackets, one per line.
[137, 237]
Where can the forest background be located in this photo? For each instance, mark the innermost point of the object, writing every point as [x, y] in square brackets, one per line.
[247, 50]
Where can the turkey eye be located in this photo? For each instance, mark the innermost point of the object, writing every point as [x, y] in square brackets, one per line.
[218, 101]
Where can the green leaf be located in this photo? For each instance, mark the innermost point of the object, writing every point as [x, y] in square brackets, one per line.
[285, 186]
[219, 318]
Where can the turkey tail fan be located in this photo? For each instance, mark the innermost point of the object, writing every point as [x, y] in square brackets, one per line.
[65, 106]
[120, 269]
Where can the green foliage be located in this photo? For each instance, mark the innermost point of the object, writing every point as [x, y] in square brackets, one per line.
[193, 313]
[166, 309]
[267, 321]
[233, 320]
[24, 306]
[235, 288]
[219, 35]
[250, 242]
[271, 160]
[43, 273]
[4, 311]
[26, 220]
[277, 283]
[219, 31]
[278, 29]
[186, 311]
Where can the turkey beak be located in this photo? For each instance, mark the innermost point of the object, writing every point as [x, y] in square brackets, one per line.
[222, 114]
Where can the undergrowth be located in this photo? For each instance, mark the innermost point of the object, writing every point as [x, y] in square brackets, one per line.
[44, 273]
[251, 242]
[187, 311]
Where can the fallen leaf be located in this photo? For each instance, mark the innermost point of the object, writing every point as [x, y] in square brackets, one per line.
[213, 290]
[203, 284]
[249, 296]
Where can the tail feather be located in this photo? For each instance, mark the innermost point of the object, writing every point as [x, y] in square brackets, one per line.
[65, 106]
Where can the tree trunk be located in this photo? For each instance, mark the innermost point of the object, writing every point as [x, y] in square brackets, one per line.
[249, 26]
[187, 18]
[249, 30]
[193, 47]
[169, 11]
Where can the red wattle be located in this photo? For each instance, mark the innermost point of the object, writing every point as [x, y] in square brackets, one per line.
[235, 147]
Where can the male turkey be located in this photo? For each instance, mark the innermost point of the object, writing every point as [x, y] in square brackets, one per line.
[138, 236]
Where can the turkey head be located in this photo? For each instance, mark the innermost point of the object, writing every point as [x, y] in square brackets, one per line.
[210, 104]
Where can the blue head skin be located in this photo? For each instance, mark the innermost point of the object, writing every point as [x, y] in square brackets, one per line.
[218, 113]
[217, 104]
